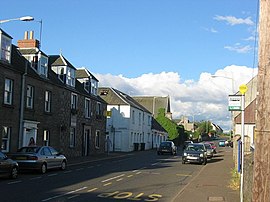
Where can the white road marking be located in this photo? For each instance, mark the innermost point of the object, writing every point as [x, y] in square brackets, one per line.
[138, 173]
[51, 175]
[36, 178]
[70, 192]
[73, 196]
[153, 164]
[119, 179]
[90, 190]
[69, 171]
[107, 184]
[15, 182]
[113, 178]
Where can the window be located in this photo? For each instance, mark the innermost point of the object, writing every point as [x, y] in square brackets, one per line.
[87, 86]
[5, 48]
[6, 132]
[34, 62]
[87, 108]
[98, 109]
[43, 66]
[48, 99]
[73, 101]
[133, 116]
[72, 137]
[62, 74]
[94, 87]
[140, 116]
[46, 136]
[149, 120]
[30, 97]
[70, 77]
[97, 139]
[8, 94]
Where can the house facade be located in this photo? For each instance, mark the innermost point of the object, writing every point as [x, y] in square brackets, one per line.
[43, 99]
[128, 122]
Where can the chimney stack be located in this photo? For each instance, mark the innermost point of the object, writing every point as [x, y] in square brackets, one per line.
[28, 43]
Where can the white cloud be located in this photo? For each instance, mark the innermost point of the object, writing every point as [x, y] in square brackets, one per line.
[231, 20]
[239, 49]
[206, 98]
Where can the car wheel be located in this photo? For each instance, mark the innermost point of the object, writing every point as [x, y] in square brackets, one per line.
[14, 173]
[183, 162]
[43, 168]
[63, 165]
[204, 161]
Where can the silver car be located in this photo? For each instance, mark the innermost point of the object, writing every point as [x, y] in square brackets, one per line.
[209, 150]
[39, 158]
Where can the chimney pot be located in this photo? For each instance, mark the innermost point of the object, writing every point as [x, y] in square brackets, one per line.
[31, 34]
[26, 35]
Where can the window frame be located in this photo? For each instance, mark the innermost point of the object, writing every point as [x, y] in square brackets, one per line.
[87, 108]
[48, 101]
[74, 101]
[6, 46]
[97, 139]
[72, 137]
[46, 137]
[6, 138]
[30, 97]
[8, 92]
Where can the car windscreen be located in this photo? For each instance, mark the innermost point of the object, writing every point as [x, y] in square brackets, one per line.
[195, 148]
[165, 144]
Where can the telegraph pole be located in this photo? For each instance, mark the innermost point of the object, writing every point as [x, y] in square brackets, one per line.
[261, 176]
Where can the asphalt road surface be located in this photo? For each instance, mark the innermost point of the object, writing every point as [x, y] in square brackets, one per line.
[137, 176]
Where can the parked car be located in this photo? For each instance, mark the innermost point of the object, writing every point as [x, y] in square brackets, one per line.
[8, 167]
[214, 147]
[195, 153]
[39, 158]
[221, 143]
[209, 150]
[186, 143]
[167, 147]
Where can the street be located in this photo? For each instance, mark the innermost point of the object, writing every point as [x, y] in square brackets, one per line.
[136, 176]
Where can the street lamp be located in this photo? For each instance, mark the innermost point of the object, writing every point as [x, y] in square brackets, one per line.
[24, 18]
[226, 77]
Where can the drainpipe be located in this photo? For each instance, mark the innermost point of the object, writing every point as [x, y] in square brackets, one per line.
[22, 106]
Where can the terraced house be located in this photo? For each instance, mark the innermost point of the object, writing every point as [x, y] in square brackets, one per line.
[42, 98]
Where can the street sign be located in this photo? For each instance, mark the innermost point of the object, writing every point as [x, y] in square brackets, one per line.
[234, 103]
[243, 89]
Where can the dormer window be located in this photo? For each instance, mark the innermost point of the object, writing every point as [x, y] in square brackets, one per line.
[5, 43]
[94, 87]
[70, 77]
[43, 66]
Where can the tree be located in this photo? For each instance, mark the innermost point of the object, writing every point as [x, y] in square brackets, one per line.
[167, 124]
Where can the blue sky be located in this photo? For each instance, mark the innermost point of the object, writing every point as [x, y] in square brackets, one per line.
[138, 40]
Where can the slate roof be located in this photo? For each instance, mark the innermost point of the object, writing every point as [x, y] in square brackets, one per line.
[115, 97]
[154, 103]
[59, 60]
[6, 34]
[29, 51]
[84, 73]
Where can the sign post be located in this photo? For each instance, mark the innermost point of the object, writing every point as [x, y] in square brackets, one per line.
[243, 90]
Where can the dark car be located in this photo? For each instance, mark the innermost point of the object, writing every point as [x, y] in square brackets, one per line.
[186, 143]
[195, 153]
[39, 158]
[167, 147]
[8, 167]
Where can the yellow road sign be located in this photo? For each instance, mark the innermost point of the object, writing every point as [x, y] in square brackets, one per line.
[243, 89]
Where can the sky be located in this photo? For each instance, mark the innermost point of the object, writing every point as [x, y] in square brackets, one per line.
[151, 47]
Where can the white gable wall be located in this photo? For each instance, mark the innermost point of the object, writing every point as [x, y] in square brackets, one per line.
[126, 126]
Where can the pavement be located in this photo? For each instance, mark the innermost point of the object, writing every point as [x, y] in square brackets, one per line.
[211, 183]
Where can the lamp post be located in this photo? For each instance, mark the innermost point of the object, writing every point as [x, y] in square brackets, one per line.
[24, 18]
